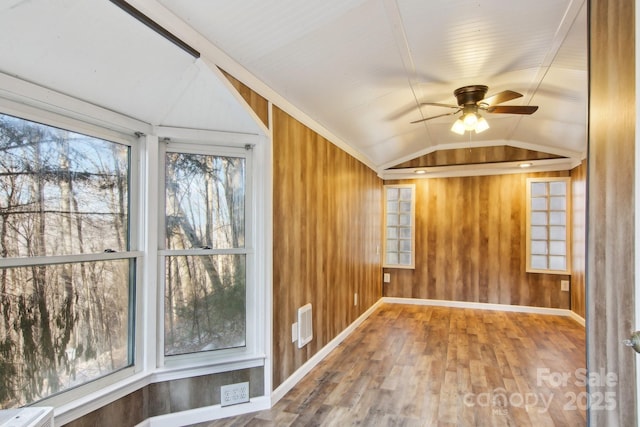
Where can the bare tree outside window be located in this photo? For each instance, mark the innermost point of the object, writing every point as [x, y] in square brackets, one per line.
[62, 323]
[205, 295]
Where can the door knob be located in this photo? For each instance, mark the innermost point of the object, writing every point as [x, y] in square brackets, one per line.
[634, 341]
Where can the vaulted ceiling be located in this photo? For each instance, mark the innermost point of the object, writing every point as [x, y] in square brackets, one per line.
[355, 70]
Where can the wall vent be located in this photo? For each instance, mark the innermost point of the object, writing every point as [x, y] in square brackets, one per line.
[305, 325]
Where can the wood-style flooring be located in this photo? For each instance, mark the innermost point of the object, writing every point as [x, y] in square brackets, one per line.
[415, 365]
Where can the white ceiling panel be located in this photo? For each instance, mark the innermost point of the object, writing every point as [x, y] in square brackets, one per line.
[95, 52]
[359, 69]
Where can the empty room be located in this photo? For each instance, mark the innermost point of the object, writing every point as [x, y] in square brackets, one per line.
[360, 212]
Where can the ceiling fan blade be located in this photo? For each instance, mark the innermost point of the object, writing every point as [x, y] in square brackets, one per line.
[500, 97]
[434, 117]
[437, 104]
[513, 109]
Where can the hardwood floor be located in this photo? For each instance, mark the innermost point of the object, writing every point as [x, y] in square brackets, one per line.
[435, 366]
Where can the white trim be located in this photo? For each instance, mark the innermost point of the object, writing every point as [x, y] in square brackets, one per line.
[203, 136]
[28, 96]
[483, 306]
[205, 414]
[303, 370]
[575, 316]
[180, 372]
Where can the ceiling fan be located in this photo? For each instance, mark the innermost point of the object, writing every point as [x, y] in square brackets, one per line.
[471, 99]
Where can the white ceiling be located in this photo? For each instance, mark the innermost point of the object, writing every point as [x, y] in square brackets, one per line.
[357, 68]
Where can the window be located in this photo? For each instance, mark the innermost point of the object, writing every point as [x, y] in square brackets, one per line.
[207, 256]
[399, 214]
[67, 272]
[548, 208]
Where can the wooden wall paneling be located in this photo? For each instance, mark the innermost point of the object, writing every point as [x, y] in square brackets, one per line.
[611, 212]
[465, 156]
[578, 284]
[258, 104]
[471, 244]
[327, 225]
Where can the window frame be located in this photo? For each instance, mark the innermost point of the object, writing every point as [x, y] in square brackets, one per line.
[252, 350]
[133, 253]
[412, 226]
[567, 210]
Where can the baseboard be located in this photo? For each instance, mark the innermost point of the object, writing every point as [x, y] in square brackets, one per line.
[303, 370]
[581, 320]
[207, 413]
[486, 306]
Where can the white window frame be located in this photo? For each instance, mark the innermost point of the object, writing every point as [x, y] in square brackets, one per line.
[412, 226]
[50, 118]
[252, 352]
[529, 268]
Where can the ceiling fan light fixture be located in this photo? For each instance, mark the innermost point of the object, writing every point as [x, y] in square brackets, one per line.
[458, 127]
[482, 125]
[470, 120]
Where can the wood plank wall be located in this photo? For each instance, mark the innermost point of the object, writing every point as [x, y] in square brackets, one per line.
[475, 155]
[327, 210]
[611, 212]
[471, 244]
[579, 241]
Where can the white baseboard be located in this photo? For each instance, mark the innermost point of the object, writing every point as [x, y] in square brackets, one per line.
[303, 370]
[486, 306]
[207, 413]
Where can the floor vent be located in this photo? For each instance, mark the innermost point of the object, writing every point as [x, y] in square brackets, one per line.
[305, 325]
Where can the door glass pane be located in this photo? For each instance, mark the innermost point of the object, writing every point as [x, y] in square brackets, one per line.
[557, 248]
[558, 203]
[405, 259]
[539, 218]
[205, 201]
[558, 233]
[392, 258]
[538, 189]
[405, 245]
[405, 194]
[393, 194]
[557, 263]
[557, 188]
[539, 204]
[557, 218]
[539, 247]
[539, 262]
[205, 299]
[539, 233]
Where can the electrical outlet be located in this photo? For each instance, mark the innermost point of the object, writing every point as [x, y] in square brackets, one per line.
[232, 394]
[386, 277]
[294, 332]
[564, 285]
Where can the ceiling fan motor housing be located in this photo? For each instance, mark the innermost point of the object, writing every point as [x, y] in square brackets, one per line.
[470, 94]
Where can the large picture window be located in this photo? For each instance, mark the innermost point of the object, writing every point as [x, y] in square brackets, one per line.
[66, 269]
[548, 228]
[206, 257]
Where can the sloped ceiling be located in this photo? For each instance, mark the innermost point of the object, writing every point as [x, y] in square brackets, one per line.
[95, 52]
[361, 68]
[358, 69]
